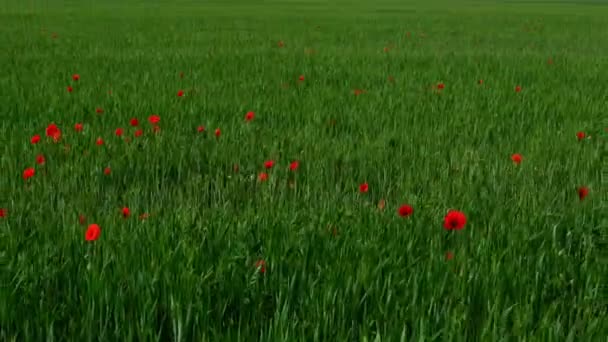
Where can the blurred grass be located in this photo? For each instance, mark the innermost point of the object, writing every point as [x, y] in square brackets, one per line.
[524, 267]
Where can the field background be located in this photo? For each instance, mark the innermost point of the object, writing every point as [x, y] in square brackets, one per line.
[525, 267]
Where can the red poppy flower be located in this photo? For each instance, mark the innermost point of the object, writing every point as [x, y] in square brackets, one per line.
[54, 132]
[78, 127]
[516, 158]
[261, 265]
[118, 132]
[580, 135]
[70, 89]
[35, 139]
[107, 171]
[218, 132]
[82, 219]
[269, 164]
[363, 188]
[180, 93]
[454, 220]
[517, 89]
[92, 232]
[40, 159]
[249, 116]
[263, 176]
[301, 78]
[480, 82]
[440, 86]
[449, 255]
[405, 210]
[98, 110]
[200, 129]
[126, 212]
[99, 142]
[2, 212]
[139, 133]
[154, 119]
[583, 191]
[134, 122]
[75, 77]
[28, 173]
[294, 165]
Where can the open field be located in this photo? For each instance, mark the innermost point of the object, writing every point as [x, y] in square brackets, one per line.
[397, 114]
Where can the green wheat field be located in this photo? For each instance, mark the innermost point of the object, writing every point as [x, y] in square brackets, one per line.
[303, 170]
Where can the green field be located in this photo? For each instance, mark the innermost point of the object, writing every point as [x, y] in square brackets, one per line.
[340, 264]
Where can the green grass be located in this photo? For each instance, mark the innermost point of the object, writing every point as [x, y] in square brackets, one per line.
[526, 266]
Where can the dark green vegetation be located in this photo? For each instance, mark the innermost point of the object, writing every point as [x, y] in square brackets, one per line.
[337, 267]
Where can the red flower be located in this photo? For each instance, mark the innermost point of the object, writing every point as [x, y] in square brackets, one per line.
[440, 86]
[263, 176]
[82, 219]
[454, 220]
[28, 173]
[99, 142]
[200, 129]
[269, 164]
[218, 132]
[40, 159]
[249, 116]
[583, 191]
[92, 232]
[35, 139]
[261, 265]
[294, 165]
[139, 133]
[154, 119]
[53, 131]
[75, 77]
[78, 127]
[449, 255]
[2, 212]
[180, 93]
[405, 210]
[301, 78]
[118, 132]
[363, 188]
[70, 89]
[580, 135]
[98, 110]
[126, 212]
[516, 158]
[517, 89]
[107, 171]
[480, 82]
[134, 122]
